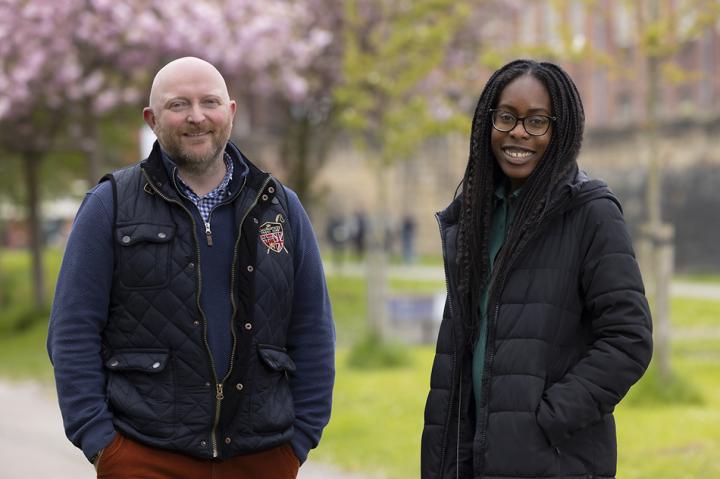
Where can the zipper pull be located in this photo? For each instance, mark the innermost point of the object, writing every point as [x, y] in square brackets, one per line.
[208, 234]
[219, 395]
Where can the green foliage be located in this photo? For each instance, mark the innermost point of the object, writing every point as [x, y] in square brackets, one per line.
[388, 54]
[17, 313]
[371, 352]
[652, 389]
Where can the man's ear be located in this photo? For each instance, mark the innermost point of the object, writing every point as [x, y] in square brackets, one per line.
[149, 117]
[233, 108]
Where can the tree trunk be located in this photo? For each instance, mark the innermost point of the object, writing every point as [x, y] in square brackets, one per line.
[32, 162]
[376, 273]
[659, 247]
[90, 144]
[302, 136]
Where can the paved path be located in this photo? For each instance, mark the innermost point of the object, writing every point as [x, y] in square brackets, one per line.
[695, 290]
[33, 444]
[680, 288]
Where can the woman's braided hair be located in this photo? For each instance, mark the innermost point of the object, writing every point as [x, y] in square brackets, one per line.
[483, 175]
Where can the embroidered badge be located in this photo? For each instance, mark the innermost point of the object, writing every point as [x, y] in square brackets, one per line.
[272, 235]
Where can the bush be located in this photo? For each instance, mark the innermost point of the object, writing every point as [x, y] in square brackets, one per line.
[372, 352]
[17, 319]
[653, 390]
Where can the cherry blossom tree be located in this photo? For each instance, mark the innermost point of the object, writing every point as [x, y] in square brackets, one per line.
[66, 66]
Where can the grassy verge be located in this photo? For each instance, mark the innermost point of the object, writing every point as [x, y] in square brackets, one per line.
[23, 355]
[673, 441]
[377, 416]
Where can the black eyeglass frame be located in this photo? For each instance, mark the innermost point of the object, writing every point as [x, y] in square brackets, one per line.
[520, 119]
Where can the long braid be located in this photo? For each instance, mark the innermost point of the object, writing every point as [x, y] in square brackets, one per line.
[482, 176]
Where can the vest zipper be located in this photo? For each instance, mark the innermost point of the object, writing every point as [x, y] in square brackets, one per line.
[213, 439]
[219, 396]
[208, 232]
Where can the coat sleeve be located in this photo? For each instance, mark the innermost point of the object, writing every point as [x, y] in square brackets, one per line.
[78, 316]
[311, 336]
[614, 302]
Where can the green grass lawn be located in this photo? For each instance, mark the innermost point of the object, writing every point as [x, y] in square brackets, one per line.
[690, 313]
[377, 415]
[674, 441]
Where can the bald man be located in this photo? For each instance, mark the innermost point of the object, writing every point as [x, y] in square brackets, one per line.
[191, 333]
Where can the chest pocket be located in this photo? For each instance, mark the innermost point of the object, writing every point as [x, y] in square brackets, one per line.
[144, 255]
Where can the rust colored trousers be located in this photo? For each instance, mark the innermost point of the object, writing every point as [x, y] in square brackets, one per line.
[124, 458]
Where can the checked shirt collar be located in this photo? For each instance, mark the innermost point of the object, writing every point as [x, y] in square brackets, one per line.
[206, 203]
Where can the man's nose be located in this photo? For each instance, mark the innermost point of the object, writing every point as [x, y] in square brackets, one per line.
[196, 114]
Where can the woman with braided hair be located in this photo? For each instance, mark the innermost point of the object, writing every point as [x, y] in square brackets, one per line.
[546, 324]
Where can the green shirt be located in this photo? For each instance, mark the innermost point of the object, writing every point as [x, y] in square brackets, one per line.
[502, 218]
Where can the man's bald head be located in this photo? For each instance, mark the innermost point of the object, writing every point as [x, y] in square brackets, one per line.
[191, 114]
[183, 69]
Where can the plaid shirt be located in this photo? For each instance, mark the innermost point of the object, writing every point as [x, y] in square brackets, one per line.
[205, 204]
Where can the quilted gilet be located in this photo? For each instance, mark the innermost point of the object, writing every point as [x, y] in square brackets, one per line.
[162, 386]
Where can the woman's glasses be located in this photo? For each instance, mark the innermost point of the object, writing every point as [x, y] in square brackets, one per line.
[535, 125]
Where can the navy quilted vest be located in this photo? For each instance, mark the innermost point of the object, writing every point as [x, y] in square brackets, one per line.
[162, 387]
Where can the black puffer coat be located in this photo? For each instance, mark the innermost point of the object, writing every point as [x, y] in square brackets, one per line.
[569, 332]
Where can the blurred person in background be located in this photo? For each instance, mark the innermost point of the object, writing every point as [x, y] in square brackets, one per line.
[191, 333]
[546, 324]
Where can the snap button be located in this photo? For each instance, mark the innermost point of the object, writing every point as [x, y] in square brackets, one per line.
[256, 220]
[250, 268]
[271, 190]
[196, 323]
[207, 385]
[239, 386]
[228, 440]
[156, 365]
[114, 363]
[264, 197]
[162, 235]
[126, 239]
[203, 444]
[248, 326]
[191, 266]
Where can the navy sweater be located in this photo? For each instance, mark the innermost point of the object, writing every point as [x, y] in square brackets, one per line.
[81, 303]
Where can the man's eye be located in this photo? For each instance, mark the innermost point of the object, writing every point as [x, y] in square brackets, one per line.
[176, 105]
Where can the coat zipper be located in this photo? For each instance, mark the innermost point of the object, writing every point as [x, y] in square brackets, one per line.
[491, 340]
[443, 450]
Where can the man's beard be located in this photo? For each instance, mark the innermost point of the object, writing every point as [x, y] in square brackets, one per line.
[191, 162]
